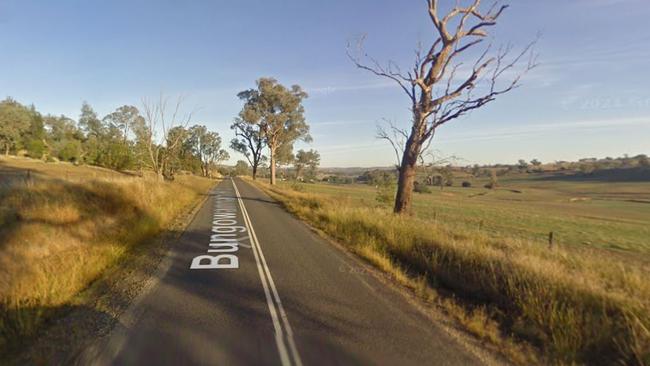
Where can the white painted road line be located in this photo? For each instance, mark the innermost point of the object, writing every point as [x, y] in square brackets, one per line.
[267, 281]
[283, 313]
[279, 338]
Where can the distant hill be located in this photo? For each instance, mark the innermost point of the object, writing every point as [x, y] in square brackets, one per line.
[352, 170]
[634, 174]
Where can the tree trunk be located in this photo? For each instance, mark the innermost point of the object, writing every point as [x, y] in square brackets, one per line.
[254, 171]
[272, 167]
[406, 179]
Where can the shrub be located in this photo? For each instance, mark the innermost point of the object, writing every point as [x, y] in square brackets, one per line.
[116, 155]
[35, 148]
[71, 151]
[385, 193]
[421, 188]
[296, 186]
[466, 184]
[494, 182]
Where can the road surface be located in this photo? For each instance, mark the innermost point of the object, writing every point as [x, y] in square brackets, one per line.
[248, 284]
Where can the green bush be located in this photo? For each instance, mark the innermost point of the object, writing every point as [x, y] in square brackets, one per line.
[70, 151]
[116, 155]
[35, 148]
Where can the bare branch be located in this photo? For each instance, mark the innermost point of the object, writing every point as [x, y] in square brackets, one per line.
[157, 119]
[396, 139]
[404, 81]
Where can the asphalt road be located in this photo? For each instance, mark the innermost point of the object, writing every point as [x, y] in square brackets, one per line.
[270, 292]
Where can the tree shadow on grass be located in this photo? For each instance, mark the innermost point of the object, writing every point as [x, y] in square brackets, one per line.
[103, 214]
[16, 347]
[58, 335]
[92, 203]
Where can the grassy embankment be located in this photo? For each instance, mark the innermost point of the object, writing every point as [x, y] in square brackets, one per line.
[484, 258]
[62, 226]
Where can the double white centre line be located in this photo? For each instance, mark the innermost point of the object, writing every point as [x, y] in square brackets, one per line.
[274, 303]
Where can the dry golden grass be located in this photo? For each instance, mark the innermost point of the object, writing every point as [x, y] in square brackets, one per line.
[573, 306]
[58, 236]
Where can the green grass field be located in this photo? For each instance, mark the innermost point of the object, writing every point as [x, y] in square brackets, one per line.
[583, 214]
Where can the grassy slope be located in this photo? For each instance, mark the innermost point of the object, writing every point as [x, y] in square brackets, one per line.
[574, 305]
[62, 226]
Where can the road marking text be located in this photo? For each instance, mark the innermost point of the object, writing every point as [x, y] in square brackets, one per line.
[226, 234]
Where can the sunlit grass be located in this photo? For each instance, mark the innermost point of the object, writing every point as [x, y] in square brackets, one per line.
[58, 236]
[575, 306]
[589, 215]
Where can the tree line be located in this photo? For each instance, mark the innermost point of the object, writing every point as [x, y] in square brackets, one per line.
[125, 139]
[161, 139]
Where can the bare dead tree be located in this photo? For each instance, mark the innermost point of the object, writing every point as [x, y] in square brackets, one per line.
[437, 92]
[155, 135]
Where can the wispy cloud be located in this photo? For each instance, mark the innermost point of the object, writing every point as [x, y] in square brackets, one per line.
[347, 148]
[341, 123]
[326, 90]
[630, 48]
[509, 133]
[545, 128]
[600, 3]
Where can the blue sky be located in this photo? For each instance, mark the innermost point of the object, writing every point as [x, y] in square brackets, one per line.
[590, 96]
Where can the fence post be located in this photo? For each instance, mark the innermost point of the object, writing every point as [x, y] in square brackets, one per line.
[550, 240]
